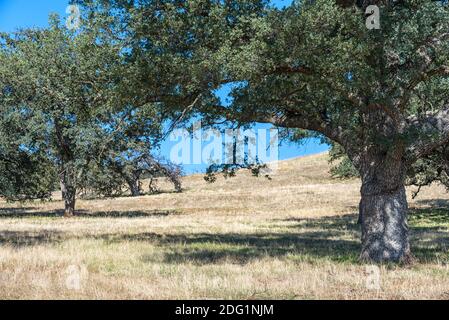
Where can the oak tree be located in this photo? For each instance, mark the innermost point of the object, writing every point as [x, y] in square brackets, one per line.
[382, 94]
[62, 81]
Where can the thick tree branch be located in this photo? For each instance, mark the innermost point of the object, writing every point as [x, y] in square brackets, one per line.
[286, 119]
[423, 76]
[421, 49]
[292, 70]
[430, 131]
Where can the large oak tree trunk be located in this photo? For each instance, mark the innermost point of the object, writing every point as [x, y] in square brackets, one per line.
[383, 211]
[384, 227]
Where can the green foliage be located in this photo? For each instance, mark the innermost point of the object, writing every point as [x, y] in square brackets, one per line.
[430, 169]
[26, 171]
[83, 116]
[97, 97]
[230, 171]
[26, 176]
[289, 66]
[57, 83]
[343, 167]
[69, 81]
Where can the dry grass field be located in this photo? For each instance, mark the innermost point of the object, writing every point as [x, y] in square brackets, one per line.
[294, 237]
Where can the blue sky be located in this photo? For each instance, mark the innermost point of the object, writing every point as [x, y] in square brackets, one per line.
[28, 13]
[15, 14]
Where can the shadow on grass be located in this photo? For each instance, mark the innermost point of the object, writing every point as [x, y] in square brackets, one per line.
[93, 198]
[429, 233]
[339, 224]
[18, 239]
[207, 248]
[329, 238]
[238, 248]
[438, 217]
[306, 240]
[8, 213]
[435, 203]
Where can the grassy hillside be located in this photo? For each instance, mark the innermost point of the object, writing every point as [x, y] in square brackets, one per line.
[291, 237]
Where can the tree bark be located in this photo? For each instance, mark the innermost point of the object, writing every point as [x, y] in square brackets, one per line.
[67, 174]
[384, 227]
[68, 194]
[383, 212]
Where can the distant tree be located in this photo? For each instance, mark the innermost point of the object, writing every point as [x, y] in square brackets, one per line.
[119, 176]
[62, 80]
[126, 173]
[342, 166]
[158, 168]
[121, 138]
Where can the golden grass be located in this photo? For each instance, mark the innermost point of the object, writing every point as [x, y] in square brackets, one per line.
[294, 237]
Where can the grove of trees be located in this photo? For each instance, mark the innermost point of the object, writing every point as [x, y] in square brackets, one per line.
[63, 120]
[150, 61]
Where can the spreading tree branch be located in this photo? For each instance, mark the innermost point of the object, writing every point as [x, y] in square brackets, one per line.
[422, 77]
[286, 119]
[429, 131]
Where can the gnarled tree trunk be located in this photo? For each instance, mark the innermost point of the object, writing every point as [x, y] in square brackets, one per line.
[383, 210]
[384, 226]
